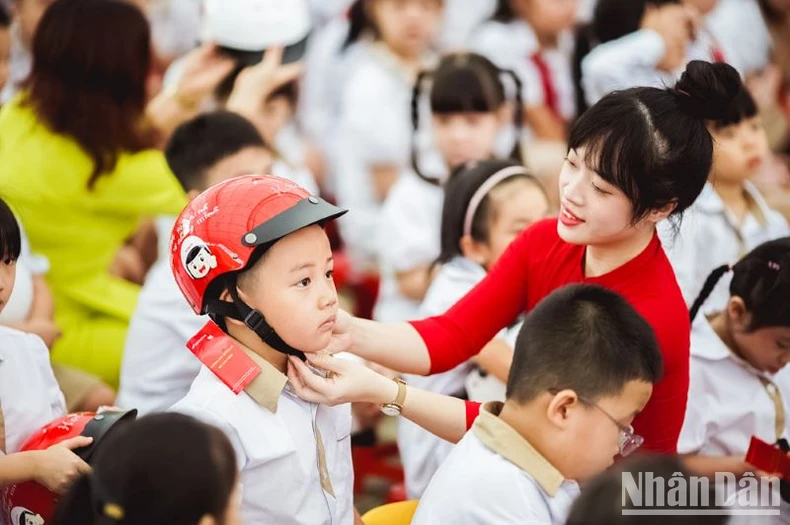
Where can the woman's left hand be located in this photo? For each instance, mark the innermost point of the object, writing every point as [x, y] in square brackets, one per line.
[347, 381]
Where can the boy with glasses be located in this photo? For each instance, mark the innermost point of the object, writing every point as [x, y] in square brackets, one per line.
[584, 366]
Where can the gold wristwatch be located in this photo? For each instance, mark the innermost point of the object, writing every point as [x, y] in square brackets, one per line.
[395, 408]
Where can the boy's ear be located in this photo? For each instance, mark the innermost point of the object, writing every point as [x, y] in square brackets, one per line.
[560, 406]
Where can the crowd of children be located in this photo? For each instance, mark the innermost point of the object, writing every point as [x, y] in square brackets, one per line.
[547, 234]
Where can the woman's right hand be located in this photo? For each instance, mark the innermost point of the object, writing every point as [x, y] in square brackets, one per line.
[341, 334]
[57, 466]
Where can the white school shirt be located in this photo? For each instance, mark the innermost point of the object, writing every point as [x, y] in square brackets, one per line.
[29, 394]
[276, 444]
[157, 368]
[514, 46]
[461, 18]
[496, 477]
[421, 452]
[727, 403]
[709, 237]
[740, 30]
[631, 61]
[374, 128]
[408, 236]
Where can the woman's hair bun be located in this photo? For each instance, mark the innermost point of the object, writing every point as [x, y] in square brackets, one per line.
[706, 90]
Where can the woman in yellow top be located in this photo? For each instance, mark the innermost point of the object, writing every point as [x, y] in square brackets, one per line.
[80, 164]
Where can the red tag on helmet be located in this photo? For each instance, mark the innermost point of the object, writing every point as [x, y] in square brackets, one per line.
[224, 357]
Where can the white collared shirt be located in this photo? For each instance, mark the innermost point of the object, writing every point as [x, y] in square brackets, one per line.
[727, 403]
[407, 237]
[495, 477]
[740, 30]
[29, 395]
[276, 449]
[511, 46]
[157, 368]
[710, 237]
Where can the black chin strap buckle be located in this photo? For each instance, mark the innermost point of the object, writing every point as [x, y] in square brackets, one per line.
[254, 320]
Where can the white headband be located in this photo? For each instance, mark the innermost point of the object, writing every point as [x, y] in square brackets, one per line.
[485, 188]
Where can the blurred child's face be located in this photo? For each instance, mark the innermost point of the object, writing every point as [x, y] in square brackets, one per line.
[407, 26]
[5, 55]
[590, 436]
[7, 279]
[462, 137]
[739, 150]
[547, 17]
[292, 286]
[592, 211]
[250, 160]
[28, 14]
[277, 112]
[766, 349]
[515, 205]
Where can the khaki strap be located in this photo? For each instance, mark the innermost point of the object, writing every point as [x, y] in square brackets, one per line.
[776, 396]
[323, 470]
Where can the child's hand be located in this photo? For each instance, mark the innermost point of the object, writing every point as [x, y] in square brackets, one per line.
[204, 69]
[255, 83]
[676, 26]
[58, 466]
[348, 381]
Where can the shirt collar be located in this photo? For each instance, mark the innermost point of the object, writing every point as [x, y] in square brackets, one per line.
[267, 387]
[706, 344]
[710, 202]
[503, 439]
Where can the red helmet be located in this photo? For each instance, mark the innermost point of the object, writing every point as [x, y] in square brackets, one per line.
[218, 233]
[29, 503]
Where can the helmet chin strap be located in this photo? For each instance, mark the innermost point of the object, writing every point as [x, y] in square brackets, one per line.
[252, 318]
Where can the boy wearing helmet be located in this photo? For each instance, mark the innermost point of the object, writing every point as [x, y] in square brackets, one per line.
[252, 254]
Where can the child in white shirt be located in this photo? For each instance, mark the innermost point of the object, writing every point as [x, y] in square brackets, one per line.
[252, 254]
[487, 205]
[570, 403]
[157, 369]
[730, 217]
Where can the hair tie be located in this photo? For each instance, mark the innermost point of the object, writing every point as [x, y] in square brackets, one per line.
[485, 188]
[102, 502]
[774, 265]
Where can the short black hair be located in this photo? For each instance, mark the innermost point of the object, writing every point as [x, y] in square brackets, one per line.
[10, 234]
[762, 280]
[653, 144]
[604, 498]
[5, 16]
[200, 143]
[743, 107]
[585, 338]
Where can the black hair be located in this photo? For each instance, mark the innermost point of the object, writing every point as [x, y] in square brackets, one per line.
[465, 83]
[458, 192]
[743, 107]
[358, 23]
[504, 12]
[5, 16]
[605, 497]
[612, 19]
[198, 144]
[585, 338]
[653, 144]
[161, 469]
[762, 280]
[771, 14]
[10, 234]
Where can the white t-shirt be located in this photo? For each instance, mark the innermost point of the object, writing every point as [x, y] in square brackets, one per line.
[408, 237]
[710, 237]
[495, 477]
[276, 444]
[29, 395]
[514, 46]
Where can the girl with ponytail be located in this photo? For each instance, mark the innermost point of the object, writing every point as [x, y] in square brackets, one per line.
[740, 386]
[470, 119]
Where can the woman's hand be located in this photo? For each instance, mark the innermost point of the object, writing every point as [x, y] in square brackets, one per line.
[341, 334]
[347, 381]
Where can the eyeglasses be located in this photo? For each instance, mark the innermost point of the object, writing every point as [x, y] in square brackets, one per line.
[628, 441]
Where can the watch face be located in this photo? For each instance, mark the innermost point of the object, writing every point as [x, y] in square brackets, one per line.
[390, 410]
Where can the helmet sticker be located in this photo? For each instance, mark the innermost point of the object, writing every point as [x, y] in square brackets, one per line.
[22, 516]
[197, 258]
